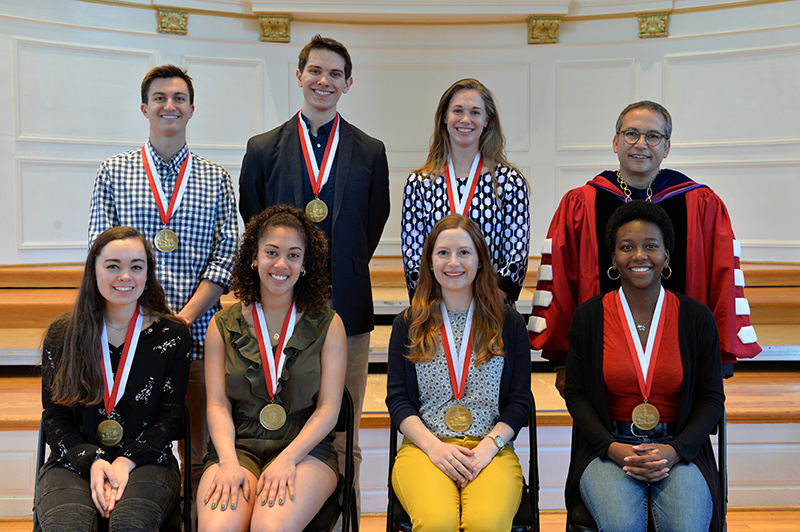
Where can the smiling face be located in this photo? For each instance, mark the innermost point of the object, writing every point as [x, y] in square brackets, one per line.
[323, 82]
[121, 271]
[640, 255]
[168, 108]
[454, 261]
[279, 261]
[465, 119]
[640, 163]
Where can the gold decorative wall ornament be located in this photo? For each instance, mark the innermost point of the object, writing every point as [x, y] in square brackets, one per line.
[653, 25]
[543, 29]
[275, 28]
[173, 21]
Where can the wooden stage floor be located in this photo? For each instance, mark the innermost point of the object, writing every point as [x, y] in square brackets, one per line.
[739, 520]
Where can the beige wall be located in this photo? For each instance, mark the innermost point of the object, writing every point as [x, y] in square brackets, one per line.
[730, 77]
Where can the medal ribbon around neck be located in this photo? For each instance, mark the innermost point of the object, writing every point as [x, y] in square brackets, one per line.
[318, 178]
[644, 361]
[460, 204]
[165, 210]
[115, 384]
[273, 364]
[458, 365]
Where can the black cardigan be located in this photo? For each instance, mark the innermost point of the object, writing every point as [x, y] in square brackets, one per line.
[701, 403]
[402, 395]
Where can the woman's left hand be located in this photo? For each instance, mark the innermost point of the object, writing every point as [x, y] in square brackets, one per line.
[485, 451]
[277, 481]
[651, 463]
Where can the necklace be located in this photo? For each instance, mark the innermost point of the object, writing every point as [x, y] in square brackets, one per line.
[627, 191]
[642, 327]
[120, 329]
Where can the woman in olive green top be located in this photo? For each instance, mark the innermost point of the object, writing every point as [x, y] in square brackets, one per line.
[275, 366]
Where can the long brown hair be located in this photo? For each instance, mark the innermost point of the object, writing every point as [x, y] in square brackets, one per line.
[425, 314]
[492, 143]
[77, 378]
[312, 290]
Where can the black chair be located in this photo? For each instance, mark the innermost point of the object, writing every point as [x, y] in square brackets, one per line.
[580, 520]
[527, 517]
[173, 521]
[327, 516]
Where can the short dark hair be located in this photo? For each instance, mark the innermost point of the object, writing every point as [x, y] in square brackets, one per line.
[324, 43]
[652, 106]
[166, 72]
[644, 211]
[312, 290]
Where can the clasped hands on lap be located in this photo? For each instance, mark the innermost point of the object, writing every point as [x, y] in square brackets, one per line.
[107, 482]
[646, 462]
[460, 464]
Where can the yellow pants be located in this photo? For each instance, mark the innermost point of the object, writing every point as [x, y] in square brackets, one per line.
[435, 503]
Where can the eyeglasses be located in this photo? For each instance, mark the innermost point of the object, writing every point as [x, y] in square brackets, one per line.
[632, 136]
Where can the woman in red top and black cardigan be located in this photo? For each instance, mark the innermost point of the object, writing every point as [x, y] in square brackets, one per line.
[644, 388]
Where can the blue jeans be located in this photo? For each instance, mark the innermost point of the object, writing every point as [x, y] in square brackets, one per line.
[681, 502]
[64, 501]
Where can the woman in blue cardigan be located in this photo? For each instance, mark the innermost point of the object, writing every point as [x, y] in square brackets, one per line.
[458, 388]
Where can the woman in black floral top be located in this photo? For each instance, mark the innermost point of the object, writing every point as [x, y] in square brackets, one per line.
[114, 373]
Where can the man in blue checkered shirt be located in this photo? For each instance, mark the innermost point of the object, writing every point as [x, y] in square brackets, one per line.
[185, 207]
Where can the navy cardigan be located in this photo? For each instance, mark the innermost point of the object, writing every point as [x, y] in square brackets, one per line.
[402, 393]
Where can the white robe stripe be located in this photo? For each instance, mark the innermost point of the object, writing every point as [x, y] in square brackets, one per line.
[545, 273]
[547, 246]
[737, 249]
[738, 277]
[742, 307]
[542, 298]
[537, 324]
[747, 335]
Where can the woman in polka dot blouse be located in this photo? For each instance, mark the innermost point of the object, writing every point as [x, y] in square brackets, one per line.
[467, 173]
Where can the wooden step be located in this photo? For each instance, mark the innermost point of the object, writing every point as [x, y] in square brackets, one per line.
[751, 397]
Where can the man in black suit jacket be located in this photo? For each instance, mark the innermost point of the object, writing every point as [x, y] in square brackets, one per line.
[350, 197]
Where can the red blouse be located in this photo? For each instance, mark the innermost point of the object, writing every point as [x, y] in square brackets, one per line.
[620, 373]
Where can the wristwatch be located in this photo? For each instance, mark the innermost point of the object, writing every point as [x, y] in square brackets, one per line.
[498, 441]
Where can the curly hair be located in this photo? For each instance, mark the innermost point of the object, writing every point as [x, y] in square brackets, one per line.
[425, 315]
[644, 211]
[312, 290]
[78, 379]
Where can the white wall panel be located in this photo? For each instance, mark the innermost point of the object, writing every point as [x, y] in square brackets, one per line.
[763, 221]
[590, 95]
[60, 89]
[75, 69]
[735, 98]
[229, 113]
[53, 203]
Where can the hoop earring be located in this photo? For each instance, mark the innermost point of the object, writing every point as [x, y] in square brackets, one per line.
[670, 272]
[303, 272]
[253, 265]
[608, 272]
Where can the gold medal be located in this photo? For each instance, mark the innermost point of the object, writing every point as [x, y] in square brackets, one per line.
[109, 432]
[317, 210]
[458, 418]
[166, 240]
[645, 416]
[272, 416]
